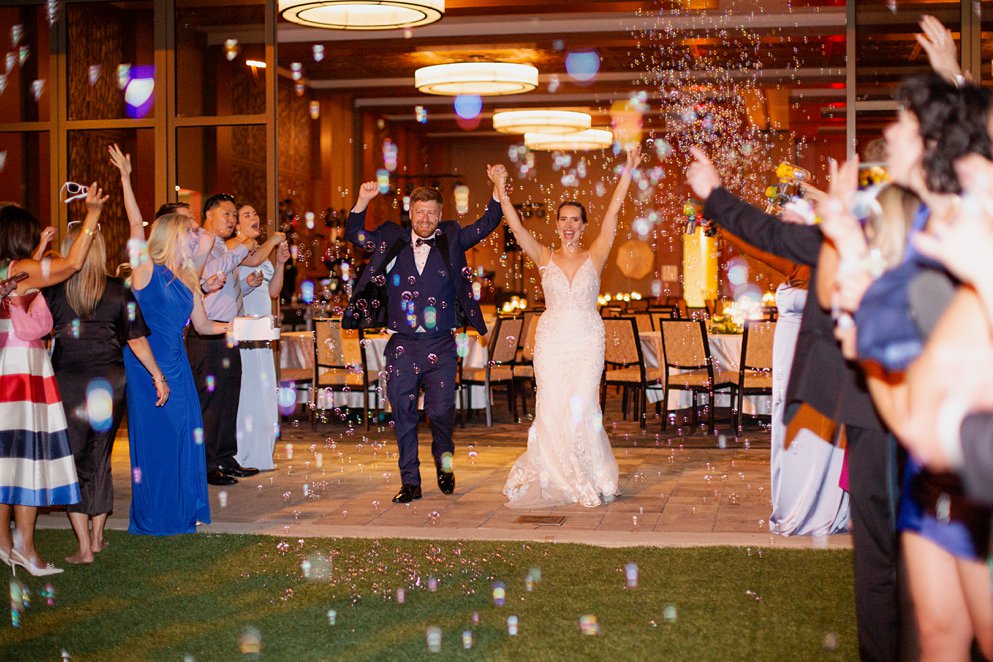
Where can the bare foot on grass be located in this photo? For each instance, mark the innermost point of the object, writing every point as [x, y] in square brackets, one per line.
[79, 558]
[98, 547]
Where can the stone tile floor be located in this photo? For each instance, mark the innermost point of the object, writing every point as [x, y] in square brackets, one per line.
[678, 488]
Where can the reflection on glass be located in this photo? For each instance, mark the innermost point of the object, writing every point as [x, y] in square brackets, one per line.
[886, 53]
[110, 46]
[214, 43]
[24, 67]
[223, 159]
[88, 163]
[24, 171]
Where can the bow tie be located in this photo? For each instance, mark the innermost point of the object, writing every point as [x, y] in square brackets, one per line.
[423, 242]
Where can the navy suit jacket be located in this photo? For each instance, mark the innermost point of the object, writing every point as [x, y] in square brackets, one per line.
[389, 239]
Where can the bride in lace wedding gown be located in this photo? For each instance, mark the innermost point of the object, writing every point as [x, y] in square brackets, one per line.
[568, 459]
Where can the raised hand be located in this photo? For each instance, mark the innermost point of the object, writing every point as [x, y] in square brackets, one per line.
[634, 157]
[962, 240]
[368, 191]
[937, 42]
[120, 160]
[702, 176]
[95, 199]
[282, 254]
[837, 222]
[498, 175]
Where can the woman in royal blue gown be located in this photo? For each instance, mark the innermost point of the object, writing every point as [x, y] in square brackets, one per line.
[168, 467]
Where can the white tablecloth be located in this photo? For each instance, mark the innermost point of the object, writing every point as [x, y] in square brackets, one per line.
[296, 362]
[725, 350]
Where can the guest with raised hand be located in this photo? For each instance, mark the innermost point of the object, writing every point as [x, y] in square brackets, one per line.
[168, 467]
[821, 379]
[258, 414]
[38, 469]
[945, 537]
[950, 426]
[568, 360]
[95, 317]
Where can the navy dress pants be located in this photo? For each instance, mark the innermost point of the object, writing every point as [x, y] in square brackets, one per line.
[415, 361]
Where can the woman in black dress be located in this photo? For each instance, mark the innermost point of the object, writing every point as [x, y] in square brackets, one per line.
[95, 315]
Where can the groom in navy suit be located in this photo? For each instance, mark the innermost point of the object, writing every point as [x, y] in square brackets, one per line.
[418, 286]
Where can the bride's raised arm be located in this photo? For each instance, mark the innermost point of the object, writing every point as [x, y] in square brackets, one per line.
[600, 250]
[534, 249]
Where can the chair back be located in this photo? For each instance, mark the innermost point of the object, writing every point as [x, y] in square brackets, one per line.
[684, 344]
[623, 347]
[644, 322]
[339, 354]
[611, 311]
[503, 344]
[530, 330]
[756, 345]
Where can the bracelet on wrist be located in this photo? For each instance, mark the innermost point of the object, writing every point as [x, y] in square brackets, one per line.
[89, 231]
[159, 380]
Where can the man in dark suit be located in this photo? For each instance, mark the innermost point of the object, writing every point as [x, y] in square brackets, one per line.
[418, 285]
[821, 378]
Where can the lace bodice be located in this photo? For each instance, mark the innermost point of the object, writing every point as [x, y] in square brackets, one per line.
[579, 295]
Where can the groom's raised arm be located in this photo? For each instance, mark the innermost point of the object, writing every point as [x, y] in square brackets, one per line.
[355, 231]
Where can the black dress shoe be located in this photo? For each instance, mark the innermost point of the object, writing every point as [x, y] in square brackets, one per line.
[239, 471]
[446, 481]
[218, 477]
[407, 494]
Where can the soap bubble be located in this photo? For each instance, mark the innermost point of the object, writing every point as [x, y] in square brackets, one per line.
[582, 65]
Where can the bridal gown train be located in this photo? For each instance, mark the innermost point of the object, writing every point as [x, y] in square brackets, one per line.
[568, 459]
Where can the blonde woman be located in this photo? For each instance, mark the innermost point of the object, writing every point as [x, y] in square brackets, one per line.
[169, 480]
[94, 317]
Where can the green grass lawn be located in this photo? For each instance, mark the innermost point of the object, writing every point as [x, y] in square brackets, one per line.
[197, 595]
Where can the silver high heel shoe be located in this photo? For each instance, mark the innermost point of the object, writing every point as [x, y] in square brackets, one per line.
[18, 559]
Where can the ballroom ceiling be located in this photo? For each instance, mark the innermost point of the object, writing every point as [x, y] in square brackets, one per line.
[792, 53]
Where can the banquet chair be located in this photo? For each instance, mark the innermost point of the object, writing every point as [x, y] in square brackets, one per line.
[524, 367]
[340, 366]
[663, 312]
[624, 365]
[755, 367]
[611, 311]
[499, 368]
[689, 367]
[644, 322]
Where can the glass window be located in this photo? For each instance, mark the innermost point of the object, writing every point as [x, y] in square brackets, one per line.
[24, 77]
[216, 46]
[222, 159]
[88, 163]
[25, 177]
[886, 53]
[111, 60]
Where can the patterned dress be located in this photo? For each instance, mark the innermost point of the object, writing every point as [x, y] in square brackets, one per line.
[36, 465]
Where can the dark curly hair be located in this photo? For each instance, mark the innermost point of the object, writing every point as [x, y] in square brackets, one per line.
[953, 122]
[20, 232]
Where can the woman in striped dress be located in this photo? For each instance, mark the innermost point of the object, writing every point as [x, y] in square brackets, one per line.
[38, 468]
